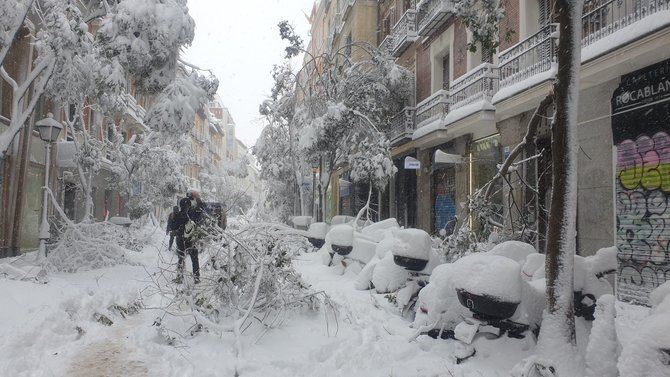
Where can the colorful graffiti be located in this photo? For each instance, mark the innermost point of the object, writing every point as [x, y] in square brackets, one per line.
[641, 135]
[643, 215]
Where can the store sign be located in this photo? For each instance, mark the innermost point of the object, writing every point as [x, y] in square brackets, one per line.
[640, 123]
[412, 163]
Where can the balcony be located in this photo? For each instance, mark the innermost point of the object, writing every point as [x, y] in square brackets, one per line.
[133, 109]
[387, 45]
[343, 8]
[432, 108]
[404, 33]
[480, 84]
[614, 15]
[534, 57]
[432, 14]
[402, 125]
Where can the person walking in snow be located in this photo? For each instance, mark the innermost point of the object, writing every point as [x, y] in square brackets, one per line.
[171, 229]
[185, 227]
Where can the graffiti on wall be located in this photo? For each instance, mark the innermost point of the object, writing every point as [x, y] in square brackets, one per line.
[641, 131]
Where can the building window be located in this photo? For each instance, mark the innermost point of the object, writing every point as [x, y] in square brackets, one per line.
[445, 72]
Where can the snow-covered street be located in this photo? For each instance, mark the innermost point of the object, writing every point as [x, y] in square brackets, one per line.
[55, 333]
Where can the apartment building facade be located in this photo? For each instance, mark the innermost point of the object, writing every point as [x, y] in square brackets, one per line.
[469, 112]
[622, 132]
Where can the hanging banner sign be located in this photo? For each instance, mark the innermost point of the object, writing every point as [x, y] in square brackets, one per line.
[640, 114]
[412, 163]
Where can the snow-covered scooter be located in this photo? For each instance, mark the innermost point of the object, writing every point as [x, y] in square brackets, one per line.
[412, 250]
[504, 291]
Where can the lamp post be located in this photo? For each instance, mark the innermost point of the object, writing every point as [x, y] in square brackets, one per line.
[49, 130]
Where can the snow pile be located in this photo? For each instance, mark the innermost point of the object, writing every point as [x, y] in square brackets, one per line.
[645, 340]
[604, 260]
[602, 350]
[301, 222]
[27, 273]
[341, 219]
[660, 297]
[533, 264]
[438, 305]
[317, 230]
[387, 276]
[488, 275]
[514, 250]
[341, 235]
[363, 249]
[385, 245]
[412, 243]
[378, 230]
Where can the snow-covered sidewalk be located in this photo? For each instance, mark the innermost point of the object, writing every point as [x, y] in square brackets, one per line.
[51, 330]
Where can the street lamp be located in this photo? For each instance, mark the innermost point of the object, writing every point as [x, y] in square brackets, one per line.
[49, 130]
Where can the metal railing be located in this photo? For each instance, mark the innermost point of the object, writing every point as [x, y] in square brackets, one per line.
[404, 32]
[132, 104]
[615, 15]
[479, 84]
[432, 108]
[432, 14]
[387, 44]
[343, 8]
[533, 55]
[402, 125]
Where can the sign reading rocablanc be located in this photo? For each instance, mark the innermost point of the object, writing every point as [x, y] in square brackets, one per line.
[641, 132]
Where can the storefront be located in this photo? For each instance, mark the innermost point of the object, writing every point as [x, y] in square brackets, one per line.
[443, 193]
[486, 155]
[640, 129]
[404, 206]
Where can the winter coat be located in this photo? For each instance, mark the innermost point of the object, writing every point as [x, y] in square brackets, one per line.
[197, 212]
[171, 222]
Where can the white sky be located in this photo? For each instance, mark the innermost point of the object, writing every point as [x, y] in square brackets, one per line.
[239, 41]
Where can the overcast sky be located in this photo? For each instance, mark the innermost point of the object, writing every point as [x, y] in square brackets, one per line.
[239, 41]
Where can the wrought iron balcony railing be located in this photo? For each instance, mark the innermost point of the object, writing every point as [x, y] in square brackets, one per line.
[404, 32]
[614, 15]
[432, 14]
[402, 125]
[432, 108]
[534, 55]
[480, 84]
[387, 44]
[343, 8]
[134, 109]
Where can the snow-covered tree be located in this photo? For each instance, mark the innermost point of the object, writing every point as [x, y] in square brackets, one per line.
[140, 39]
[276, 149]
[483, 18]
[150, 172]
[558, 327]
[557, 337]
[174, 110]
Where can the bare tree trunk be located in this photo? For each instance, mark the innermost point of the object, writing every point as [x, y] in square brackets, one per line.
[558, 327]
[24, 151]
